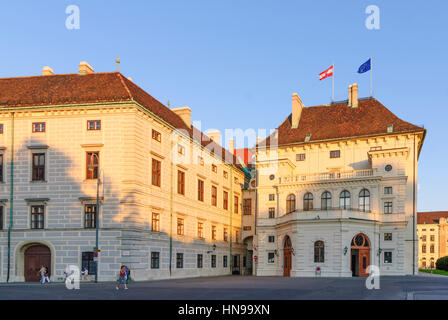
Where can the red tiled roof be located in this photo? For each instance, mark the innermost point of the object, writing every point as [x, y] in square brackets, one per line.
[431, 217]
[67, 89]
[338, 121]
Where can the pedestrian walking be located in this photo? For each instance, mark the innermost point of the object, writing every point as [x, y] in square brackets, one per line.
[47, 275]
[122, 278]
[85, 273]
[42, 274]
[128, 275]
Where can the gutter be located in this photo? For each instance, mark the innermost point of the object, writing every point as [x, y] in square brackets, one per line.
[11, 198]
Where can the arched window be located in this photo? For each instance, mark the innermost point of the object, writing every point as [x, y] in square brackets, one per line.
[319, 252]
[344, 200]
[308, 202]
[325, 201]
[364, 200]
[290, 203]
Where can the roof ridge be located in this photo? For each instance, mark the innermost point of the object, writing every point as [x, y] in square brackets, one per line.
[58, 74]
[125, 85]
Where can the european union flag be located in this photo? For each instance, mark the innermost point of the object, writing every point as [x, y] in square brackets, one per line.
[365, 66]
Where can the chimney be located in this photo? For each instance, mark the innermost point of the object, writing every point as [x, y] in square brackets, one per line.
[184, 113]
[85, 68]
[354, 95]
[47, 71]
[297, 108]
[232, 146]
[350, 90]
[214, 135]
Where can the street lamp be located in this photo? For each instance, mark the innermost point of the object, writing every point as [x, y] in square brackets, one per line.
[96, 250]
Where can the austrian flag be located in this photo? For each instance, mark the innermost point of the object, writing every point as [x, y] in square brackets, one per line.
[327, 73]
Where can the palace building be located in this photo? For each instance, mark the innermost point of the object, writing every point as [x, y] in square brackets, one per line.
[336, 190]
[89, 157]
[432, 232]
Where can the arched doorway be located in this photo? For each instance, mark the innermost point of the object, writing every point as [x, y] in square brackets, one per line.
[287, 261]
[35, 257]
[360, 255]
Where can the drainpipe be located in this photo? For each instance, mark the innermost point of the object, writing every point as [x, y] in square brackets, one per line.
[413, 215]
[171, 211]
[11, 197]
[231, 217]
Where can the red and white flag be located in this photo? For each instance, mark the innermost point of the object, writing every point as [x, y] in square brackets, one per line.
[327, 73]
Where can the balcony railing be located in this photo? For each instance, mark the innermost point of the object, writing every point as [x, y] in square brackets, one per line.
[327, 176]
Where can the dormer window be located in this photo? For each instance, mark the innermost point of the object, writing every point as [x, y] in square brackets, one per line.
[308, 137]
[390, 128]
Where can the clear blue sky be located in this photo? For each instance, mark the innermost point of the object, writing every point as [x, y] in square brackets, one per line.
[236, 63]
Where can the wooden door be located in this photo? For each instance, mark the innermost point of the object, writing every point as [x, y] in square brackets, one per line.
[364, 262]
[287, 262]
[287, 257]
[35, 257]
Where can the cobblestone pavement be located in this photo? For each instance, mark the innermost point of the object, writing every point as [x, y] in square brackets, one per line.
[240, 288]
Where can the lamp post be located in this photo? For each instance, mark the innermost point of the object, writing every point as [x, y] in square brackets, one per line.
[96, 251]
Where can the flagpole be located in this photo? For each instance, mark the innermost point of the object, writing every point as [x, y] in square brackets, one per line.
[371, 77]
[332, 86]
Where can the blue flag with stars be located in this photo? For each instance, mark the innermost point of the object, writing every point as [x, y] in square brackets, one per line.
[365, 66]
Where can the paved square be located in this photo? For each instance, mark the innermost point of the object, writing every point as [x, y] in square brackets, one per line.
[239, 288]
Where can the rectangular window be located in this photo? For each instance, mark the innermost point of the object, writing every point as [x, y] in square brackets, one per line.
[92, 165]
[424, 238]
[424, 248]
[388, 257]
[155, 260]
[38, 167]
[225, 174]
[335, 154]
[180, 226]
[37, 217]
[387, 190]
[1, 168]
[213, 260]
[200, 260]
[432, 237]
[1, 128]
[214, 168]
[247, 228]
[156, 135]
[38, 126]
[213, 232]
[156, 172]
[200, 230]
[87, 262]
[179, 260]
[271, 239]
[271, 213]
[93, 125]
[388, 236]
[388, 207]
[200, 190]
[236, 204]
[271, 197]
[180, 150]
[271, 257]
[431, 249]
[181, 182]
[214, 196]
[224, 261]
[90, 216]
[247, 207]
[225, 200]
[155, 222]
[225, 235]
[300, 157]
